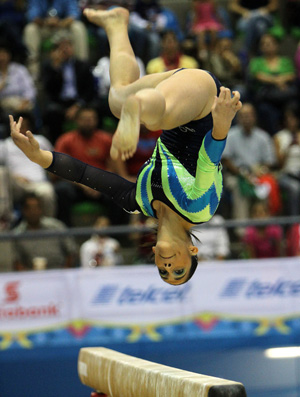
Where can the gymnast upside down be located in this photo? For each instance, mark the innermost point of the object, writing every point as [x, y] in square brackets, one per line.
[181, 184]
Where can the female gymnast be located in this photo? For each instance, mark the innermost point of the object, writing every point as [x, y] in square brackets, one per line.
[181, 184]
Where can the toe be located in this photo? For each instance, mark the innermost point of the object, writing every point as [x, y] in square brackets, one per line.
[114, 153]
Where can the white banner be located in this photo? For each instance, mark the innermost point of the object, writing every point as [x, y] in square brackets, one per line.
[135, 295]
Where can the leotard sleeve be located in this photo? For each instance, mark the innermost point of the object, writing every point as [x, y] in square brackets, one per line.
[119, 190]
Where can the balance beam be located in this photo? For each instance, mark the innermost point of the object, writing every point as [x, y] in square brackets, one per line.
[120, 375]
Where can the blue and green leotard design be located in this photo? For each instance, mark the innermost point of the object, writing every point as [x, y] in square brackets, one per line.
[195, 196]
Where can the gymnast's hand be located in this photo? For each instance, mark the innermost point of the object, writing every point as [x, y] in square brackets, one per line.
[224, 109]
[28, 144]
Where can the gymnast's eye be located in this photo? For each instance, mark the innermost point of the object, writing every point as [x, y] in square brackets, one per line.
[179, 272]
[162, 272]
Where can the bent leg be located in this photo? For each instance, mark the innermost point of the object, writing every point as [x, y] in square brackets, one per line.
[124, 70]
[123, 65]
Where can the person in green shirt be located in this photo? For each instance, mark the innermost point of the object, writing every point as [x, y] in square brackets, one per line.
[272, 82]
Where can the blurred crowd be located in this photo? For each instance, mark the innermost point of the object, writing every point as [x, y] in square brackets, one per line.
[54, 72]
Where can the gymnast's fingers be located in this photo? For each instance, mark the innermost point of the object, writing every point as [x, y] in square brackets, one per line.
[222, 93]
[235, 97]
[227, 94]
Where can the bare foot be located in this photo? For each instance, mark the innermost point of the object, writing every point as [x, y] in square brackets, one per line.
[105, 19]
[126, 137]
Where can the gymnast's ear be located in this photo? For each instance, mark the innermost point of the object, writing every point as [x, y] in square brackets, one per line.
[193, 250]
[153, 249]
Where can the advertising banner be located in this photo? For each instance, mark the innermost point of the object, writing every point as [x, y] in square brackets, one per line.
[130, 303]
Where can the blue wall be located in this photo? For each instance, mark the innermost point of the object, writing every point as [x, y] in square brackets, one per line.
[52, 372]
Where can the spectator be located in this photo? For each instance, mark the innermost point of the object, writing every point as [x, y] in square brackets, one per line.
[212, 243]
[100, 250]
[25, 176]
[58, 252]
[225, 63]
[68, 84]
[48, 17]
[254, 18]
[205, 25]
[171, 56]
[91, 145]
[263, 241]
[248, 148]
[287, 144]
[17, 91]
[272, 81]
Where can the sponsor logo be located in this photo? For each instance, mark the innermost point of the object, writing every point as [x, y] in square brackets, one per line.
[134, 296]
[233, 288]
[106, 294]
[261, 289]
[12, 309]
[31, 312]
[11, 291]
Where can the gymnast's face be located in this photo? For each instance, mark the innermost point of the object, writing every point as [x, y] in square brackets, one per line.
[173, 260]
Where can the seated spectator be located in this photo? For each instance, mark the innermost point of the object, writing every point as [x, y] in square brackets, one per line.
[226, 65]
[254, 18]
[171, 56]
[263, 241]
[212, 243]
[248, 148]
[68, 84]
[100, 250]
[272, 82]
[47, 18]
[26, 176]
[205, 25]
[90, 145]
[17, 90]
[287, 144]
[57, 252]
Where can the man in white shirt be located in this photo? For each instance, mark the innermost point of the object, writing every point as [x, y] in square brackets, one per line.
[248, 147]
[100, 250]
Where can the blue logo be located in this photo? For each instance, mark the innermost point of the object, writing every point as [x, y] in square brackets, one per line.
[233, 288]
[261, 289]
[106, 294]
[136, 296]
